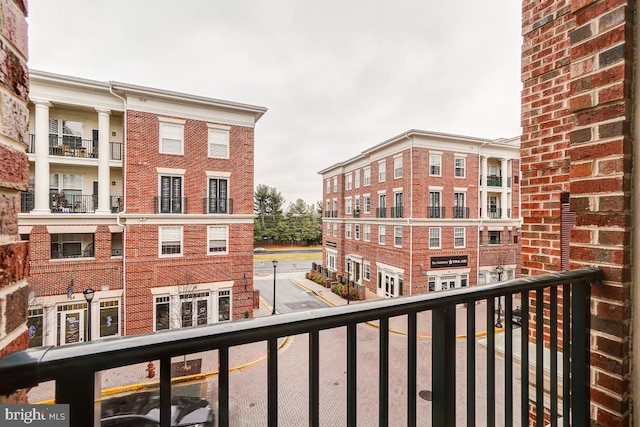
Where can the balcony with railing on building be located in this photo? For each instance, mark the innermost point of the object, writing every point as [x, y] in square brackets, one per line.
[218, 206]
[460, 212]
[436, 212]
[73, 146]
[72, 246]
[396, 212]
[173, 205]
[494, 212]
[72, 203]
[494, 181]
[356, 213]
[381, 212]
[504, 378]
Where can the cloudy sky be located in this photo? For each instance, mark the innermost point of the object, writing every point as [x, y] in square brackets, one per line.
[338, 76]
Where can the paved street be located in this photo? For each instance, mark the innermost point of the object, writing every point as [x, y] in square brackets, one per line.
[248, 379]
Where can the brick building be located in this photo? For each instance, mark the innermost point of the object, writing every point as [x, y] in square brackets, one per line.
[14, 172]
[423, 211]
[157, 219]
[579, 74]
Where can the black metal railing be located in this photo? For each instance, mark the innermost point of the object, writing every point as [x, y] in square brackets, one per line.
[175, 205]
[75, 147]
[435, 212]
[73, 367]
[396, 212]
[356, 213]
[218, 206]
[381, 212]
[494, 181]
[72, 203]
[460, 212]
[71, 251]
[494, 213]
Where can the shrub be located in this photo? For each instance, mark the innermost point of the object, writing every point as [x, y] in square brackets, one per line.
[317, 278]
[343, 290]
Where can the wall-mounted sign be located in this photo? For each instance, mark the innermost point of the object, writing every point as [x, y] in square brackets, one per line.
[331, 244]
[449, 261]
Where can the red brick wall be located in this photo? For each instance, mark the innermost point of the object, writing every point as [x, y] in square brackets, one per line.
[576, 117]
[14, 174]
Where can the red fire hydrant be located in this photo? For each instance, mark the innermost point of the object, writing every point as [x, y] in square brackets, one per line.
[151, 370]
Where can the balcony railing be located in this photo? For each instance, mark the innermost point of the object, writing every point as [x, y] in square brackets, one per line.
[494, 213]
[174, 205]
[72, 146]
[381, 212]
[73, 203]
[356, 213]
[435, 212]
[396, 212]
[218, 206]
[460, 212]
[558, 387]
[494, 181]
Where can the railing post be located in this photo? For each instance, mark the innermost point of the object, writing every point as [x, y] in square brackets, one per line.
[580, 398]
[444, 367]
[78, 390]
[272, 382]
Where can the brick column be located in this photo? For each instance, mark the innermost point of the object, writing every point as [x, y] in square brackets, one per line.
[14, 177]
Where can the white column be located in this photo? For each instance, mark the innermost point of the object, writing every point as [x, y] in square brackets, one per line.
[483, 187]
[504, 197]
[41, 182]
[104, 176]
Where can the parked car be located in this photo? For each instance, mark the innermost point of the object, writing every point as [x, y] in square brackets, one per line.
[516, 316]
[259, 250]
[143, 410]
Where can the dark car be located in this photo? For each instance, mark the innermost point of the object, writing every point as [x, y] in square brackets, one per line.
[516, 316]
[143, 410]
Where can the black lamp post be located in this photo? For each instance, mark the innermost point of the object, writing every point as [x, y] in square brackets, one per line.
[275, 264]
[499, 271]
[348, 280]
[88, 295]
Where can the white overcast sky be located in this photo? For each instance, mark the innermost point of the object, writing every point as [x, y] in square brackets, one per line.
[338, 76]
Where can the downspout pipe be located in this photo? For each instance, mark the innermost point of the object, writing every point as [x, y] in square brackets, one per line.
[120, 213]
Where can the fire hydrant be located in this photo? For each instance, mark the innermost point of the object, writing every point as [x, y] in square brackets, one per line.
[151, 370]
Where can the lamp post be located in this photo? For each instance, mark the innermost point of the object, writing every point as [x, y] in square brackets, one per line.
[348, 280]
[275, 264]
[88, 295]
[499, 271]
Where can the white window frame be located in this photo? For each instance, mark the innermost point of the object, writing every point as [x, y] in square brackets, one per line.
[459, 237]
[219, 232]
[356, 179]
[218, 141]
[347, 205]
[435, 240]
[397, 236]
[163, 238]
[367, 203]
[171, 135]
[397, 167]
[347, 231]
[161, 299]
[382, 236]
[435, 164]
[366, 271]
[366, 176]
[459, 167]
[366, 233]
[335, 229]
[328, 186]
[382, 171]
[348, 181]
[356, 232]
[335, 184]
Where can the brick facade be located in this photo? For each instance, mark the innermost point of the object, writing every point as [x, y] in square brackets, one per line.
[577, 73]
[14, 168]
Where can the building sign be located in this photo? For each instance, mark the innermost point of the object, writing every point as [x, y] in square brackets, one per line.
[448, 261]
[331, 244]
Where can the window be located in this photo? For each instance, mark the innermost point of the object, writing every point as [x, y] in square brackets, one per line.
[366, 232]
[382, 206]
[356, 180]
[366, 270]
[459, 166]
[218, 240]
[434, 238]
[347, 231]
[218, 143]
[356, 207]
[357, 232]
[397, 167]
[480, 237]
[435, 210]
[432, 284]
[382, 172]
[397, 236]
[109, 318]
[331, 260]
[328, 186]
[495, 237]
[66, 194]
[194, 309]
[328, 228]
[459, 209]
[72, 245]
[66, 133]
[435, 163]
[218, 194]
[381, 234]
[464, 280]
[366, 176]
[348, 180]
[367, 203]
[335, 229]
[458, 237]
[170, 241]
[224, 305]
[347, 205]
[161, 314]
[170, 194]
[34, 327]
[171, 138]
[335, 184]
[396, 212]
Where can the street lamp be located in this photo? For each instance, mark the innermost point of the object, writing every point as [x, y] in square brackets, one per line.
[275, 264]
[88, 295]
[499, 271]
[348, 280]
